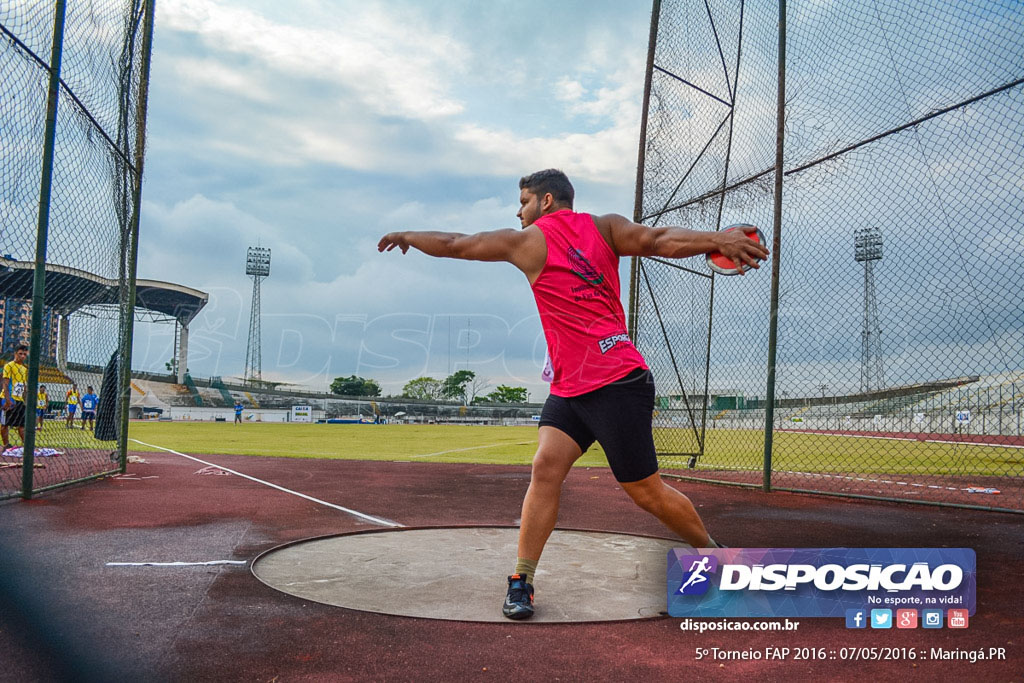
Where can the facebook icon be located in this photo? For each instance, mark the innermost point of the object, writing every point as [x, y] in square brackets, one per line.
[856, 618]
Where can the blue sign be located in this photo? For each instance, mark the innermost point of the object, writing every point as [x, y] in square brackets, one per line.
[820, 582]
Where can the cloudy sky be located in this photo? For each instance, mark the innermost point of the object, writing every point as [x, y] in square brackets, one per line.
[313, 127]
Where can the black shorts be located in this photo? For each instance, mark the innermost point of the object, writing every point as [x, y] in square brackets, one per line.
[15, 415]
[88, 414]
[618, 416]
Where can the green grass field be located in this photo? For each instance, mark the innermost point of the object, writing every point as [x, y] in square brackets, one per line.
[55, 435]
[797, 452]
[516, 445]
[426, 443]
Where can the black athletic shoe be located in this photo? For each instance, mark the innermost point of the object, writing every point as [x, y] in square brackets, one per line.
[519, 600]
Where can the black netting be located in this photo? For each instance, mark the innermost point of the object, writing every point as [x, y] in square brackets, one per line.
[900, 362]
[86, 306]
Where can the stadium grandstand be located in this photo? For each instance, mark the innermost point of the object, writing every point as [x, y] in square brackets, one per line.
[156, 396]
[78, 293]
[990, 405]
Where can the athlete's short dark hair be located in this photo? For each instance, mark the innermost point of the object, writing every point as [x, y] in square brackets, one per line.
[21, 347]
[549, 180]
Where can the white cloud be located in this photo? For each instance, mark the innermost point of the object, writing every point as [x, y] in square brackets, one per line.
[376, 91]
[213, 75]
[204, 239]
[386, 59]
[601, 157]
[569, 90]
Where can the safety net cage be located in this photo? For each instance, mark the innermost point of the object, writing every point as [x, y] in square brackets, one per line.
[898, 319]
[73, 77]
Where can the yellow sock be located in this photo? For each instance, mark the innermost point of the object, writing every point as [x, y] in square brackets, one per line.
[526, 568]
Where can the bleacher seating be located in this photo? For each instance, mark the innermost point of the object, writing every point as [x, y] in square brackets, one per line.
[218, 384]
[894, 405]
[996, 404]
[193, 390]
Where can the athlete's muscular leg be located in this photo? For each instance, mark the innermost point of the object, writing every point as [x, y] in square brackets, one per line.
[670, 506]
[556, 452]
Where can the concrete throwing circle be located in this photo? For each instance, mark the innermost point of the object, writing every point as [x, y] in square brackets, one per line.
[459, 573]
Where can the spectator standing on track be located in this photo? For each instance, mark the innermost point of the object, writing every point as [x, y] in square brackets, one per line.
[602, 389]
[89, 404]
[238, 412]
[15, 378]
[72, 398]
[42, 403]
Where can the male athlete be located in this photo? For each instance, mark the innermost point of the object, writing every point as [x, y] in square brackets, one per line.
[90, 402]
[15, 378]
[72, 398]
[602, 389]
[42, 405]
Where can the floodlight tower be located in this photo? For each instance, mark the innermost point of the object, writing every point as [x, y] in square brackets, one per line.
[257, 264]
[867, 248]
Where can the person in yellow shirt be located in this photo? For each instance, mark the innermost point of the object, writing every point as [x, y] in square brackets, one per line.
[72, 398]
[15, 377]
[42, 403]
[3, 416]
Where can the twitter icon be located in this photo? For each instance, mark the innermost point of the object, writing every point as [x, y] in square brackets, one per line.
[881, 618]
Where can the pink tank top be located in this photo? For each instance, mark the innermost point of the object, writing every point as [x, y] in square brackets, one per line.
[577, 296]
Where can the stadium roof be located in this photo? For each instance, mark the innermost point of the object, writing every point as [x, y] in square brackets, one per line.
[69, 289]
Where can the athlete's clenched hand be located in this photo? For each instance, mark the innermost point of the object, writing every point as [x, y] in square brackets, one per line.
[743, 251]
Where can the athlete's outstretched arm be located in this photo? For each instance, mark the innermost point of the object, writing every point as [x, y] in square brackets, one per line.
[498, 245]
[632, 239]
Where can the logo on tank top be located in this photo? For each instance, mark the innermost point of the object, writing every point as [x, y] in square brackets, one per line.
[582, 268]
[608, 343]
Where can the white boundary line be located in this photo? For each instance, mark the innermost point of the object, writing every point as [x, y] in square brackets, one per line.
[174, 564]
[369, 518]
[459, 450]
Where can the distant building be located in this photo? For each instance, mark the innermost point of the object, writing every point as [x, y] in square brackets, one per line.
[16, 324]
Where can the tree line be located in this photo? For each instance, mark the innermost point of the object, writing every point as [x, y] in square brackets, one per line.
[461, 385]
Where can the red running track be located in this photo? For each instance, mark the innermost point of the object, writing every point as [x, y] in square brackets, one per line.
[220, 623]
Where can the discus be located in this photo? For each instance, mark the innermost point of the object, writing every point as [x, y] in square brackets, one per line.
[725, 266]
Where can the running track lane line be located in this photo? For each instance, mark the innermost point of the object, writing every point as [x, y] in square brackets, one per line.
[369, 518]
[848, 478]
[946, 442]
[174, 564]
[471, 448]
